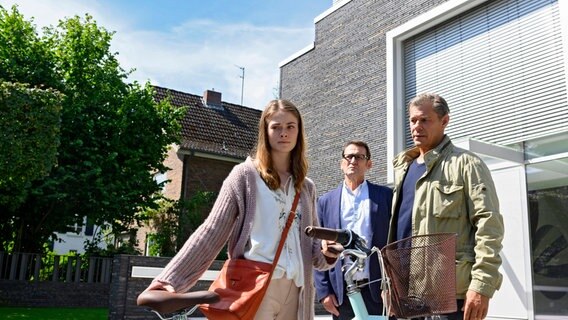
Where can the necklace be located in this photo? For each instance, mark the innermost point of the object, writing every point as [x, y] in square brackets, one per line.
[284, 180]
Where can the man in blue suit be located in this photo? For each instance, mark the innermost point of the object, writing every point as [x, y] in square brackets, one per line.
[365, 208]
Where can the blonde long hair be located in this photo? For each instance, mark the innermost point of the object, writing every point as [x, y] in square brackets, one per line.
[262, 155]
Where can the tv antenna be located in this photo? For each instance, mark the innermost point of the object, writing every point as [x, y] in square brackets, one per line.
[242, 76]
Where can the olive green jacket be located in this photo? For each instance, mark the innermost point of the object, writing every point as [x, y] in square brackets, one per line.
[457, 194]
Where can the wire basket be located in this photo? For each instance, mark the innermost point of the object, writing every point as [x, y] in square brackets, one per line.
[422, 274]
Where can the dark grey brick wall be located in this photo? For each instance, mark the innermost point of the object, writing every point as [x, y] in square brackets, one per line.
[15, 293]
[340, 86]
[125, 288]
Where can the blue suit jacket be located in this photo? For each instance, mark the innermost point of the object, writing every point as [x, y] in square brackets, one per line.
[329, 207]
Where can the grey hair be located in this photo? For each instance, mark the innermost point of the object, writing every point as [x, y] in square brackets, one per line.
[439, 104]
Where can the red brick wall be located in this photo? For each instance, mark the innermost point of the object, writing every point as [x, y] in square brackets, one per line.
[172, 189]
[203, 174]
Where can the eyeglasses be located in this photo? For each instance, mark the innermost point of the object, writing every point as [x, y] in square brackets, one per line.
[358, 157]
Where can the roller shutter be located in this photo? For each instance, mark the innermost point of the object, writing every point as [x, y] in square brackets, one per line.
[500, 67]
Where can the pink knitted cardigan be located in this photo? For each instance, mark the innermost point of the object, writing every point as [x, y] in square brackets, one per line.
[231, 220]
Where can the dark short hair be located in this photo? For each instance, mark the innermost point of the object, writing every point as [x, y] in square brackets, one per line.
[358, 143]
[439, 104]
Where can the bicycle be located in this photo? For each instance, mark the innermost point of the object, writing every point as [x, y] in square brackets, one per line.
[180, 305]
[412, 271]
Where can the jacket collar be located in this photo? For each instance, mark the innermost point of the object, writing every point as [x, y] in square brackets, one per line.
[407, 156]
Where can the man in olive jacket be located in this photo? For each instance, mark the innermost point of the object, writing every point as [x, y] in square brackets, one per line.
[442, 188]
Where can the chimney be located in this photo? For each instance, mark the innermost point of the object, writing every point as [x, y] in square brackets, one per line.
[212, 98]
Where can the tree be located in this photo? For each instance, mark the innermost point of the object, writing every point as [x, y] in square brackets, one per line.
[29, 137]
[26, 58]
[30, 106]
[173, 221]
[29, 114]
[113, 139]
[165, 224]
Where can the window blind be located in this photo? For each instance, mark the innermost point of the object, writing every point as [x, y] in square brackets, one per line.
[500, 67]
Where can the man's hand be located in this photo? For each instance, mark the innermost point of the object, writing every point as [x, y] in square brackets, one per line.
[330, 304]
[475, 306]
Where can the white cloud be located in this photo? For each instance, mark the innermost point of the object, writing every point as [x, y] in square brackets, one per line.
[49, 12]
[203, 55]
[193, 56]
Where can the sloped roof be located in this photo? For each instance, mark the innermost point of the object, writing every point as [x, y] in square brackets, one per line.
[228, 131]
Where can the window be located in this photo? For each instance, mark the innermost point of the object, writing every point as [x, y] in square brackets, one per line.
[547, 180]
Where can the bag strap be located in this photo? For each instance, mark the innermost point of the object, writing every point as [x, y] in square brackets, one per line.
[285, 231]
[282, 240]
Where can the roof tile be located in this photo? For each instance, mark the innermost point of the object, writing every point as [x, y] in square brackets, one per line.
[231, 131]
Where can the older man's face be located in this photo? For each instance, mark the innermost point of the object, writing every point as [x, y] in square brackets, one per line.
[426, 127]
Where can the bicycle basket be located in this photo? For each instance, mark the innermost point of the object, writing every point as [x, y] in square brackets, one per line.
[422, 274]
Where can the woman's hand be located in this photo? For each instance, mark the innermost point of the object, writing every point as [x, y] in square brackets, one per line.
[331, 249]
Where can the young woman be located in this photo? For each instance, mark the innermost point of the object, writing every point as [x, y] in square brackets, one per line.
[250, 213]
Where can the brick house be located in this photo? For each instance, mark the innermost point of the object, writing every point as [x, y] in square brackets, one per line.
[216, 136]
[502, 65]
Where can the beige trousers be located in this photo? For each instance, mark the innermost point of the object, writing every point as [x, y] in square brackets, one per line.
[280, 301]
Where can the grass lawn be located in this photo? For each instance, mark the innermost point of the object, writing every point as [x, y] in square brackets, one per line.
[54, 313]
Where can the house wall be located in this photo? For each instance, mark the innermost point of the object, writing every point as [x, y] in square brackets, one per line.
[70, 241]
[174, 162]
[188, 174]
[343, 84]
[75, 242]
[340, 85]
[204, 174]
[171, 190]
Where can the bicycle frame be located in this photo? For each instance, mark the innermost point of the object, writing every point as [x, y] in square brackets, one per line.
[179, 305]
[432, 304]
[182, 315]
[353, 292]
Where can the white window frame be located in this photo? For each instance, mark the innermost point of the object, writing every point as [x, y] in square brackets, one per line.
[395, 70]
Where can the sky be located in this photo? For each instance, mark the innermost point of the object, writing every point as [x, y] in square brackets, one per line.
[196, 45]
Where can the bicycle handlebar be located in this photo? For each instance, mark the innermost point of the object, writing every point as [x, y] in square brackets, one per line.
[347, 238]
[343, 236]
[164, 301]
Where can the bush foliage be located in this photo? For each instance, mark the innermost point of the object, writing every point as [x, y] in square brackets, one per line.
[78, 139]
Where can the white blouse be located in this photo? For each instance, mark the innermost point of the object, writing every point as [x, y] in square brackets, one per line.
[271, 206]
